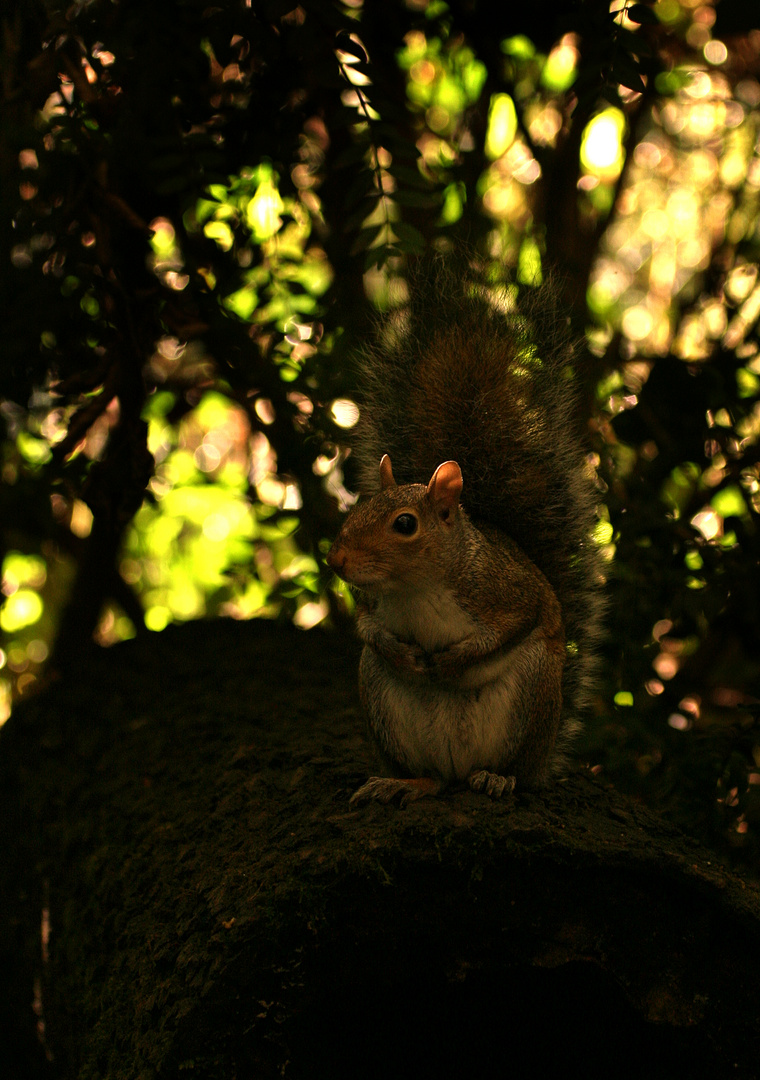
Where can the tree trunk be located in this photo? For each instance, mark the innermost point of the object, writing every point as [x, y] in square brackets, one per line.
[180, 808]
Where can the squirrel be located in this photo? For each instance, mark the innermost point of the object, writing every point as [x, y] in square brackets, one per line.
[478, 582]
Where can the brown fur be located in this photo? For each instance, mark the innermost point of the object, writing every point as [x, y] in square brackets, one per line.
[479, 619]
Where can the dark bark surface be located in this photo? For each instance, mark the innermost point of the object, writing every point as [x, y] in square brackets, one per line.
[180, 806]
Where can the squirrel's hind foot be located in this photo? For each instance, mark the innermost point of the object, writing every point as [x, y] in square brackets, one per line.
[492, 784]
[383, 789]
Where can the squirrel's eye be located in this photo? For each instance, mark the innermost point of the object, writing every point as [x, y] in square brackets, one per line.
[406, 524]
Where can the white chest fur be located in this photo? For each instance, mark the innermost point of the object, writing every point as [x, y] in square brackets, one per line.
[431, 617]
[449, 730]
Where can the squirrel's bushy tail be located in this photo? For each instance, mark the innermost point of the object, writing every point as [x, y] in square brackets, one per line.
[482, 377]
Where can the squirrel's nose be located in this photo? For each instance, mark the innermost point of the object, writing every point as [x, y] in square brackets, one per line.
[336, 558]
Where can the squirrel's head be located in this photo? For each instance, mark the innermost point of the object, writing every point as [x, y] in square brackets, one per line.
[402, 536]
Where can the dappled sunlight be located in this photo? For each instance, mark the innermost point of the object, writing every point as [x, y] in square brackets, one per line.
[676, 208]
[601, 147]
[202, 546]
[283, 283]
[167, 260]
[689, 195]
[5, 693]
[25, 621]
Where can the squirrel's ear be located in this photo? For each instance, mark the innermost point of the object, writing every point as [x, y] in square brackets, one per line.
[445, 487]
[386, 473]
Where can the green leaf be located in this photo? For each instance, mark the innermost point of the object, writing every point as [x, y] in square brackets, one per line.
[729, 502]
[379, 256]
[410, 177]
[364, 69]
[609, 93]
[399, 145]
[411, 238]
[35, 451]
[359, 216]
[362, 188]
[625, 72]
[348, 45]
[671, 82]
[631, 41]
[365, 238]
[640, 13]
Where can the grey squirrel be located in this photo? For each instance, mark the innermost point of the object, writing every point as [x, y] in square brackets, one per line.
[477, 579]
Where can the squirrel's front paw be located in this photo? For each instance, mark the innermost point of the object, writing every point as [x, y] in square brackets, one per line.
[384, 789]
[491, 784]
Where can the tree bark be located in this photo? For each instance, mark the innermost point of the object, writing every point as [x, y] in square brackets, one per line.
[180, 808]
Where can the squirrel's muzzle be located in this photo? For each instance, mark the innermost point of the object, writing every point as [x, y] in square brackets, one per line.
[336, 558]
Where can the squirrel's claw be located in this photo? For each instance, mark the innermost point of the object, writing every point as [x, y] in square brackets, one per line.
[384, 788]
[491, 784]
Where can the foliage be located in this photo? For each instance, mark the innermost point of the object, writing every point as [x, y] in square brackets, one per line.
[197, 202]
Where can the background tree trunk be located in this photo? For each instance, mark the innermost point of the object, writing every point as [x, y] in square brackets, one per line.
[216, 909]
